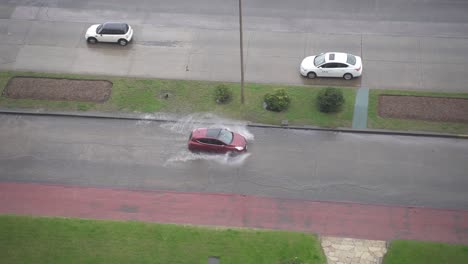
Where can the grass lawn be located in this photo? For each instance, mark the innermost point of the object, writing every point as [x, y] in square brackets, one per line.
[144, 95]
[26, 239]
[416, 252]
[374, 121]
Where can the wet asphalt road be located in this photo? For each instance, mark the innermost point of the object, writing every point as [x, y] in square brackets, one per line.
[311, 165]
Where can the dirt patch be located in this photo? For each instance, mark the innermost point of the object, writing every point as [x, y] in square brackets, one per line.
[442, 109]
[58, 89]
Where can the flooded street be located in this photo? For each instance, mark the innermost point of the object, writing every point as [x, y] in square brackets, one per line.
[287, 163]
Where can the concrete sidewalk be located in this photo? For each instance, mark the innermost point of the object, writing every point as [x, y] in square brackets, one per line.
[377, 222]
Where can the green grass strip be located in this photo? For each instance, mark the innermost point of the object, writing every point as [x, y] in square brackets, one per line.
[145, 95]
[61, 240]
[417, 252]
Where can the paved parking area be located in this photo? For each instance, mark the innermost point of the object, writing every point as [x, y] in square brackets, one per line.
[51, 40]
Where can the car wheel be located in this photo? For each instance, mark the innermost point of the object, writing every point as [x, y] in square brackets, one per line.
[123, 42]
[348, 76]
[92, 40]
[311, 75]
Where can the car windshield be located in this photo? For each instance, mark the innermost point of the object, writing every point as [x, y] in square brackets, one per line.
[319, 60]
[225, 136]
[351, 59]
[98, 29]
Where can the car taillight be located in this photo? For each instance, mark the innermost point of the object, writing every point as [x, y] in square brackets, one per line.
[358, 69]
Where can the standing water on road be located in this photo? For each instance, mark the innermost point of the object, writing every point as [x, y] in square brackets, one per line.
[182, 126]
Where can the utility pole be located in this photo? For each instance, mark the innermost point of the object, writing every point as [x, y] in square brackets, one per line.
[241, 52]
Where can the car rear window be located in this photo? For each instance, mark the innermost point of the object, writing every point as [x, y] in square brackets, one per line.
[351, 59]
[225, 136]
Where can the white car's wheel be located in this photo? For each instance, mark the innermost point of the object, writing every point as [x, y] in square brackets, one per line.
[311, 75]
[348, 76]
[123, 42]
[92, 40]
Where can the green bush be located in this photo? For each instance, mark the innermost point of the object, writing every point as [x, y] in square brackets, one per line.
[277, 101]
[330, 100]
[222, 94]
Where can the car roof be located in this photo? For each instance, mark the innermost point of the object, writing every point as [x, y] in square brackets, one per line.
[115, 26]
[336, 57]
[206, 132]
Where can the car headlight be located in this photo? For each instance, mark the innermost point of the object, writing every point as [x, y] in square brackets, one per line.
[239, 148]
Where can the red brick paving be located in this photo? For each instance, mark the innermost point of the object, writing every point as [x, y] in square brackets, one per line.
[325, 218]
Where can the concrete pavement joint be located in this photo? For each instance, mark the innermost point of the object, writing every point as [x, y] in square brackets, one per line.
[138, 117]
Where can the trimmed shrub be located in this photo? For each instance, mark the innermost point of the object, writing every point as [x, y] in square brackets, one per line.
[330, 100]
[222, 94]
[277, 101]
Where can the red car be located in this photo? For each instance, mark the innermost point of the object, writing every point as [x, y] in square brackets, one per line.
[217, 140]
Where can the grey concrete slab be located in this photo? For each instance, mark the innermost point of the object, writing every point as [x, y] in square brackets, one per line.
[445, 77]
[108, 59]
[6, 11]
[444, 50]
[219, 42]
[13, 32]
[318, 43]
[45, 58]
[214, 67]
[196, 21]
[389, 74]
[361, 108]
[355, 82]
[8, 53]
[272, 69]
[391, 48]
[25, 12]
[161, 62]
[89, 15]
[150, 35]
[276, 44]
[61, 34]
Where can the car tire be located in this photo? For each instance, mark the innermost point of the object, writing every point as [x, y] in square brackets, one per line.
[311, 75]
[348, 76]
[123, 42]
[92, 40]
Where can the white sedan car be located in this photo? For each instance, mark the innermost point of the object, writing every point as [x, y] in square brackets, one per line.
[116, 32]
[332, 64]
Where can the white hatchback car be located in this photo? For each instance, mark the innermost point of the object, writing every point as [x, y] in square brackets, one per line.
[332, 64]
[121, 33]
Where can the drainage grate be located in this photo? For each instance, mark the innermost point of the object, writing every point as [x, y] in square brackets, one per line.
[213, 260]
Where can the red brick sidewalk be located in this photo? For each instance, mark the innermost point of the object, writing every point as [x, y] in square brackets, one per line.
[325, 218]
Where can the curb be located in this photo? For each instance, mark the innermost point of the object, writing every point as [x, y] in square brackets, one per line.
[155, 118]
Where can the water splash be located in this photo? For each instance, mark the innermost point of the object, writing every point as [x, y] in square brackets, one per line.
[188, 123]
[180, 128]
[225, 159]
